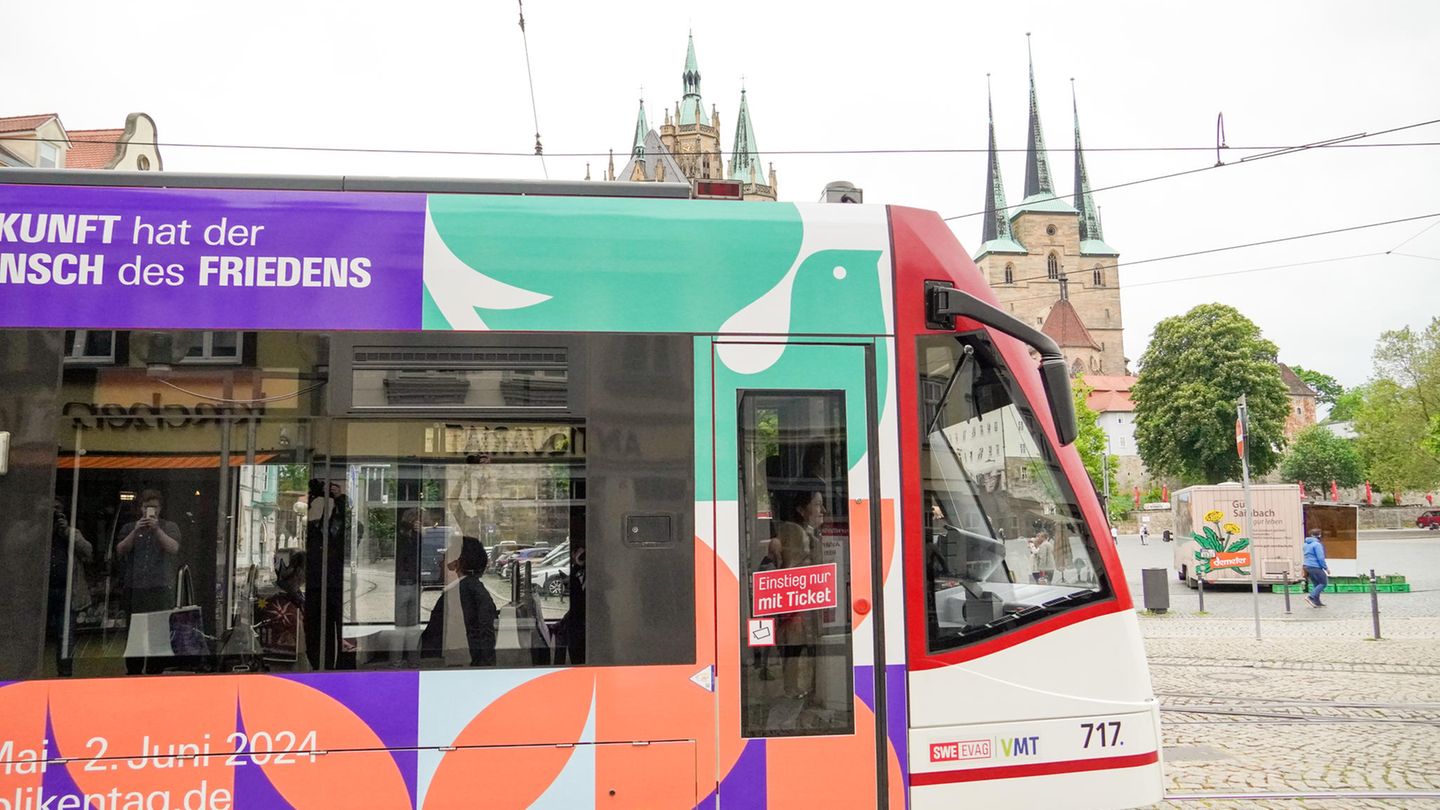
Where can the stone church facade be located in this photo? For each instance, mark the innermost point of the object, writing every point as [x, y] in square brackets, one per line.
[687, 145]
[1047, 260]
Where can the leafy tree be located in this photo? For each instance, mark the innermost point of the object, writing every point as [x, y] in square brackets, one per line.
[1320, 456]
[1327, 388]
[1348, 404]
[1090, 440]
[1191, 375]
[1398, 424]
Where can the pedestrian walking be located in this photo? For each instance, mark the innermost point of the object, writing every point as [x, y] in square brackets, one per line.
[1316, 569]
[1115, 535]
[1145, 534]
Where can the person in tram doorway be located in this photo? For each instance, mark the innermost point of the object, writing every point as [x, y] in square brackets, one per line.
[148, 551]
[797, 541]
[465, 611]
[67, 578]
[1316, 569]
[324, 574]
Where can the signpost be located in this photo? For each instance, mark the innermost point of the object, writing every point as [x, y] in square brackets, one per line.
[1242, 425]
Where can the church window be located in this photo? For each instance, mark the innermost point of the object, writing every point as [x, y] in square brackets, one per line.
[1052, 267]
[1107, 313]
[1099, 276]
[1049, 230]
[1009, 274]
[1077, 368]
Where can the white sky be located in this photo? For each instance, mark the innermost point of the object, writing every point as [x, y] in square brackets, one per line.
[451, 76]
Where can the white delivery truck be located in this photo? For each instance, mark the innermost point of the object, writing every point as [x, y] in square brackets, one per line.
[1210, 541]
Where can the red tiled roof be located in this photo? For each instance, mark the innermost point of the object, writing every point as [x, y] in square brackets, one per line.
[1297, 386]
[92, 148]
[1106, 401]
[24, 123]
[1064, 325]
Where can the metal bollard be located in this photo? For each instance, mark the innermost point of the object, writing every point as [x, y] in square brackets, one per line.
[1200, 583]
[528, 584]
[1374, 604]
[1287, 593]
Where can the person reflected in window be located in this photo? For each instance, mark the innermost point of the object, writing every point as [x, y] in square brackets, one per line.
[148, 551]
[282, 613]
[67, 578]
[798, 543]
[324, 576]
[570, 630]
[1042, 558]
[466, 605]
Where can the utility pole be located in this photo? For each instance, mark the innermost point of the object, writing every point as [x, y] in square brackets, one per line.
[1242, 433]
[1105, 475]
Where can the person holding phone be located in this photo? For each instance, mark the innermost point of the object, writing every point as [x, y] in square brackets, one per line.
[148, 551]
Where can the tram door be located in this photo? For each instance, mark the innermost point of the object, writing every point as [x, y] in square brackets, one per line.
[794, 592]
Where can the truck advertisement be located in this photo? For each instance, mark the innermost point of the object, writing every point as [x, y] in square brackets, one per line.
[1211, 542]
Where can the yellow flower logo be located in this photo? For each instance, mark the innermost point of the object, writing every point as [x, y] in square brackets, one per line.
[1214, 515]
[1231, 528]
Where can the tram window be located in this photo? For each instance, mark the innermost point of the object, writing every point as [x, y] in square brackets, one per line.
[1005, 542]
[240, 519]
[795, 515]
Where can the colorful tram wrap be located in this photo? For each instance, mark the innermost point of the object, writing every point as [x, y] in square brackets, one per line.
[798, 528]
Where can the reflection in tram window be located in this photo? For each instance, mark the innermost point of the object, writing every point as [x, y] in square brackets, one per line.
[795, 509]
[1005, 541]
[217, 509]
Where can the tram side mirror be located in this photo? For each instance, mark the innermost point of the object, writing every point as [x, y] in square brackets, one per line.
[1056, 377]
[943, 303]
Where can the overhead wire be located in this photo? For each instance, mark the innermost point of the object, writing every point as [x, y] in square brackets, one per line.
[1279, 152]
[534, 109]
[1241, 246]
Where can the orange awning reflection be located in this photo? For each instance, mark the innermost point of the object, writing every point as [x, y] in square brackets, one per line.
[157, 462]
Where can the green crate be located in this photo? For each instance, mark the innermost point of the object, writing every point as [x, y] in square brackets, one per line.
[1394, 587]
[1353, 587]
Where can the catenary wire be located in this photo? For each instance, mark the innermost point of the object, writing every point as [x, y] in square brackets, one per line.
[1422, 232]
[1274, 241]
[1326, 144]
[534, 109]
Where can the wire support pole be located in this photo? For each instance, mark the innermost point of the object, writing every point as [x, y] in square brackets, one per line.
[534, 108]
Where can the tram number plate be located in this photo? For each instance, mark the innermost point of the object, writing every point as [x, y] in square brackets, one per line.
[1104, 734]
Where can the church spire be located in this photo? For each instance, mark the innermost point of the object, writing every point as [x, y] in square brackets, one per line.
[1037, 162]
[745, 164]
[637, 149]
[692, 109]
[1092, 242]
[997, 215]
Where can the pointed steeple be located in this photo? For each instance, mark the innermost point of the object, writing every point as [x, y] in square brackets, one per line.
[1092, 242]
[745, 164]
[692, 109]
[1037, 161]
[637, 149]
[997, 237]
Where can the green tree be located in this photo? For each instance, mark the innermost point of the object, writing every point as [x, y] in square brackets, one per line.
[1191, 375]
[1327, 388]
[1320, 456]
[1398, 424]
[1090, 440]
[1348, 404]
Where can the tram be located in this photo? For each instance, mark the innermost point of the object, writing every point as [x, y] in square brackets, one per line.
[785, 502]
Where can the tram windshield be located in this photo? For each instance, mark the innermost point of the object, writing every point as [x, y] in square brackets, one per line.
[1005, 543]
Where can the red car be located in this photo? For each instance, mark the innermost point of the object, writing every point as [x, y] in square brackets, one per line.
[1429, 520]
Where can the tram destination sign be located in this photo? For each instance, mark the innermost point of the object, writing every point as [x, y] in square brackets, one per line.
[130, 258]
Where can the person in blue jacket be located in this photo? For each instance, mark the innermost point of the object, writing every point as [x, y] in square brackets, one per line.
[1315, 567]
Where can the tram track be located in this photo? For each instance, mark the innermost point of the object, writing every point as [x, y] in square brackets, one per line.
[1339, 795]
[1189, 708]
[1299, 666]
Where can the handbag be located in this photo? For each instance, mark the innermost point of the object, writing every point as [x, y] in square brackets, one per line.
[162, 633]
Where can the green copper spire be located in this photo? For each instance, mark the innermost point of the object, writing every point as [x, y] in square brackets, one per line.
[692, 109]
[745, 163]
[997, 236]
[638, 148]
[1039, 189]
[1092, 242]
[1037, 161]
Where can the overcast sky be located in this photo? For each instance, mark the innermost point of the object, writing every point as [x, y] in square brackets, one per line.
[841, 76]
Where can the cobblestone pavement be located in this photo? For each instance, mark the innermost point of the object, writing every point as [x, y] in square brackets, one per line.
[1316, 706]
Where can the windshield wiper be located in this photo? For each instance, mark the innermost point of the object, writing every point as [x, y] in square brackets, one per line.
[967, 352]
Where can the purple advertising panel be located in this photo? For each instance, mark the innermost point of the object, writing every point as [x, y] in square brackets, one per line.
[125, 258]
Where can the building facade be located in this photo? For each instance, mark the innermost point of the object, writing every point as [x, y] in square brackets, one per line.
[43, 142]
[1047, 250]
[688, 144]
